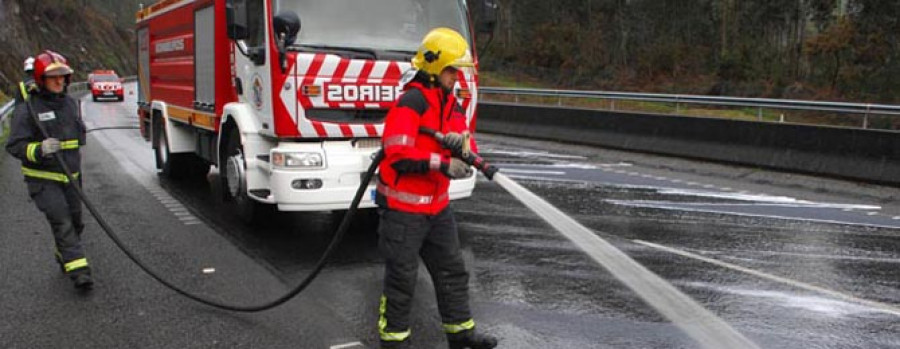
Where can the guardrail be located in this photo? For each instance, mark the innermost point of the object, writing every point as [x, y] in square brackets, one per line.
[5, 110]
[864, 109]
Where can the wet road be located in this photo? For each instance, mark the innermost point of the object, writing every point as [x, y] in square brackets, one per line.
[787, 260]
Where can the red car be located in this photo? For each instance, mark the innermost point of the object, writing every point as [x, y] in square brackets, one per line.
[105, 84]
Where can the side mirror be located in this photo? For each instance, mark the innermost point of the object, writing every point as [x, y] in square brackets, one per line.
[489, 12]
[287, 25]
[236, 19]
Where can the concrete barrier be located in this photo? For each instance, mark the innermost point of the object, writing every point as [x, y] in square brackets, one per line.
[866, 155]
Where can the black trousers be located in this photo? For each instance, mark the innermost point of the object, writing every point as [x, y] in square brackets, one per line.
[60, 204]
[403, 238]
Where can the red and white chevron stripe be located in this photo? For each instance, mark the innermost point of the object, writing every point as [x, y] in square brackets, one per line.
[351, 84]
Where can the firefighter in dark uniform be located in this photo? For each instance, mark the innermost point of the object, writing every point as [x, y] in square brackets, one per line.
[27, 86]
[48, 186]
[412, 196]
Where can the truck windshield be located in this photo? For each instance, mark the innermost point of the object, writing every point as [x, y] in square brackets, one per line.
[392, 25]
[106, 78]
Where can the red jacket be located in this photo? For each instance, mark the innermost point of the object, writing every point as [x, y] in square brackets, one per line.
[410, 178]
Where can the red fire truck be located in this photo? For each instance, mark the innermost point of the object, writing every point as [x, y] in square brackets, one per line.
[291, 117]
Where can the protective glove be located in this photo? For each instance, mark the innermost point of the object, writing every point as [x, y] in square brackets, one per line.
[454, 142]
[49, 146]
[456, 168]
[31, 87]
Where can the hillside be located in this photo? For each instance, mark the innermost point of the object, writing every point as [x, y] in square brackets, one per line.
[805, 49]
[91, 37]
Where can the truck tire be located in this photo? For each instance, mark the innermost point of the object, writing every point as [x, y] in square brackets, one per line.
[234, 183]
[175, 166]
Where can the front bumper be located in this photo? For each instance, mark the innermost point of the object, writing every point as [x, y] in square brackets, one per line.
[345, 166]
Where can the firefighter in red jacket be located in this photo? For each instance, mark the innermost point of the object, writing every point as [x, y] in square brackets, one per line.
[48, 185]
[412, 196]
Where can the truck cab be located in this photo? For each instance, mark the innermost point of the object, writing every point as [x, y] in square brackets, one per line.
[286, 97]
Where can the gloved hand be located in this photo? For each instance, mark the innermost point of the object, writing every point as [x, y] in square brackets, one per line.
[49, 146]
[31, 87]
[456, 168]
[454, 142]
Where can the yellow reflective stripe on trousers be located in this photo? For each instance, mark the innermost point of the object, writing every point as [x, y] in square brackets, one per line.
[53, 176]
[69, 145]
[76, 264]
[31, 151]
[457, 328]
[382, 324]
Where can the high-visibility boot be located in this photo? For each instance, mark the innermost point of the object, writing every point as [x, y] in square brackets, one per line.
[472, 340]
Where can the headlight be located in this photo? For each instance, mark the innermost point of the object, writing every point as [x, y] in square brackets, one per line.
[297, 159]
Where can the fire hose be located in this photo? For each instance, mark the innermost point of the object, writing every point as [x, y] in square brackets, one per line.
[476, 161]
[699, 323]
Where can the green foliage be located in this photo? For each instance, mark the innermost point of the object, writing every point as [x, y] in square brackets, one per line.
[772, 48]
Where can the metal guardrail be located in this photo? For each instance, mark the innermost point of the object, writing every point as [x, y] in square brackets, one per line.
[866, 109]
[5, 111]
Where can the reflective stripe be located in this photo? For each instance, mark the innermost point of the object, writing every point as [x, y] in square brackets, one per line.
[457, 328]
[409, 198]
[435, 162]
[31, 151]
[69, 145]
[382, 325]
[23, 90]
[399, 140]
[76, 264]
[53, 176]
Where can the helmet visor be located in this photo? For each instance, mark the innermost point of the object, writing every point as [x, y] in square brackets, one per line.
[58, 69]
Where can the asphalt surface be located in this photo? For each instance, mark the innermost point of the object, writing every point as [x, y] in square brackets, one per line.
[788, 261]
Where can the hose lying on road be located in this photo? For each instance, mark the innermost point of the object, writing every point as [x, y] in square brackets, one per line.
[332, 246]
[113, 128]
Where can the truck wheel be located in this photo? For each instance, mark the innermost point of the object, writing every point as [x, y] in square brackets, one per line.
[234, 183]
[165, 160]
[176, 166]
[95, 98]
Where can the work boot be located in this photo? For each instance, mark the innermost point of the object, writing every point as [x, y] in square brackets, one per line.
[394, 345]
[472, 340]
[83, 281]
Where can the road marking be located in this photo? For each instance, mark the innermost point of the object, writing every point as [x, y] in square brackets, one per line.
[882, 307]
[696, 321]
[509, 170]
[686, 207]
[163, 197]
[346, 345]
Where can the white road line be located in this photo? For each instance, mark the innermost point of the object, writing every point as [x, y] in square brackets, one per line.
[696, 321]
[510, 170]
[346, 345]
[881, 307]
[685, 208]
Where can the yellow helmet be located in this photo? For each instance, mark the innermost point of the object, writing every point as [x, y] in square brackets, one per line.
[442, 48]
